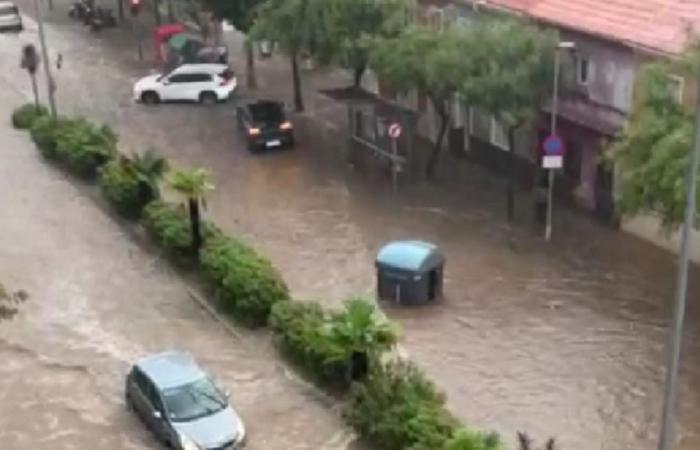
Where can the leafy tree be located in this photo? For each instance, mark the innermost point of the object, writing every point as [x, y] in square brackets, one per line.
[430, 61]
[510, 74]
[194, 185]
[241, 14]
[653, 151]
[297, 27]
[353, 25]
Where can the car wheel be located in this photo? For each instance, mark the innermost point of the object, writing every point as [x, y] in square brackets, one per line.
[150, 98]
[207, 98]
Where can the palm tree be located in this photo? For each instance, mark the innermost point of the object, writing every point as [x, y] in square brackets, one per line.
[359, 335]
[194, 185]
[149, 168]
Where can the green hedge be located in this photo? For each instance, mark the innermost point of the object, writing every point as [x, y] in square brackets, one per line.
[400, 409]
[125, 188]
[44, 132]
[334, 347]
[169, 226]
[23, 117]
[84, 147]
[246, 284]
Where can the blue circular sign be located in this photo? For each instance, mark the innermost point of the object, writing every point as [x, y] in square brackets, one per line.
[553, 145]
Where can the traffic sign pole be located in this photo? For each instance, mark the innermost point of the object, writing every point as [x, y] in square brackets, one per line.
[394, 133]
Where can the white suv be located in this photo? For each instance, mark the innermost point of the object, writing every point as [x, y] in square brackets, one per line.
[9, 17]
[205, 83]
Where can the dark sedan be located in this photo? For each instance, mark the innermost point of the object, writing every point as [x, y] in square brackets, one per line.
[264, 125]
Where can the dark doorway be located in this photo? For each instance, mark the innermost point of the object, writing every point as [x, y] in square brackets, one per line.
[432, 284]
[604, 203]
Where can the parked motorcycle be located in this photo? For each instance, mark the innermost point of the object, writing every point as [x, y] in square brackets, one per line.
[101, 18]
[81, 9]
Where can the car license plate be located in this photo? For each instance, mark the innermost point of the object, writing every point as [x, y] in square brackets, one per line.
[273, 143]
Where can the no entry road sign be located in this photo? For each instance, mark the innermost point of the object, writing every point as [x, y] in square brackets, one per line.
[553, 146]
[395, 130]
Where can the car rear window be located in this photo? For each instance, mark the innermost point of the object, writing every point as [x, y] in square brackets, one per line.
[8, 10]
[267, 112]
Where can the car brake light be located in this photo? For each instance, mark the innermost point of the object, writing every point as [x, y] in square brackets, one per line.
[254, 131]
[286, 126]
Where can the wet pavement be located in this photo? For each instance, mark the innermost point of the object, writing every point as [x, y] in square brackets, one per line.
[565, 339]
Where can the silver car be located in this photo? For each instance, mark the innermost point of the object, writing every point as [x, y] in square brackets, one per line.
[181, 405]
[10, 20]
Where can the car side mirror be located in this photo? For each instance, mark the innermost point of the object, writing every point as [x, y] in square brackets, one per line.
[157, 415]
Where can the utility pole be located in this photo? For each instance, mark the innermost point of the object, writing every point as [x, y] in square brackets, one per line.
[47, 65]
[667, 435]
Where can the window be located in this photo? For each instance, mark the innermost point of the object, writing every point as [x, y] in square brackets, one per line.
[583, 69]
[498, 135]
[178, 79]
[677, 86]
[199, 78]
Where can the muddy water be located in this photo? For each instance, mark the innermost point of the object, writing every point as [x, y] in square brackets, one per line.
[563, 340]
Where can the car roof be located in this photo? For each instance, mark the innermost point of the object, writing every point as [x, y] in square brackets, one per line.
[170, 369]
[264, 104]
[199, 68]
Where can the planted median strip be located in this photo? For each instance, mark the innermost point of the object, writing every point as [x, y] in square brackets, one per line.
[389, 403]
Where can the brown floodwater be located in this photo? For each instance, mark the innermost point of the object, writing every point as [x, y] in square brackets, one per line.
[565, 339]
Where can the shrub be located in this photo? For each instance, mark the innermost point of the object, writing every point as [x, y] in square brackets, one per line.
[399, 408]
[337, 347]
[24, 116]
[125, 187]
[84, 148]
[245, 283]
[169, 226]
[466, 439]
[44, 132]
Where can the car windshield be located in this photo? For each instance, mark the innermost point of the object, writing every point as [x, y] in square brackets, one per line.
[192, 401]
[266, 112]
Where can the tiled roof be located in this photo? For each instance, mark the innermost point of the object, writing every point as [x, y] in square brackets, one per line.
[655, 25]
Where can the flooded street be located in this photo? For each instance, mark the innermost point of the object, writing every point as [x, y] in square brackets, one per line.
[565, 339]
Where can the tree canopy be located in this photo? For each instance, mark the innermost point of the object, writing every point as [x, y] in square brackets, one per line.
[428, 61]
[354, 25]
[653, 151]
[240, 13]
[510, 70]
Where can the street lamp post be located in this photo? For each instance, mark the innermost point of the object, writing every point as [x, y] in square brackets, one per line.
[553, 129]
[45, 54]
[667, 433]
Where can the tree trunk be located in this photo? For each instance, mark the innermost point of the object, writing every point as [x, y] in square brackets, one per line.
[120, 9]
[250, 64]
[195, 225]
[510, 190]
[171, 11]
[296, 78]
[437, 148]
[358, 73]
[156, 12]
[35, 90]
